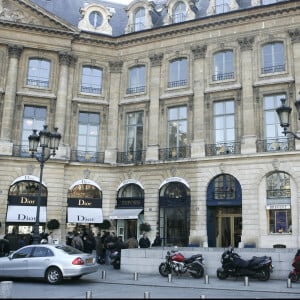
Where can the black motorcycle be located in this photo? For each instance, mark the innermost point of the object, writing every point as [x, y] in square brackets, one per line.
[176, 263]
[115, 259]
[233, 265]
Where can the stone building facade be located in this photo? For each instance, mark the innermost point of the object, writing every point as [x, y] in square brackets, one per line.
[167, 111]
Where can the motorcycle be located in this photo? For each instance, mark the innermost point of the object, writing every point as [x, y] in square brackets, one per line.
[115, 259]
[295, 273]
[176, 263]
[233, 265]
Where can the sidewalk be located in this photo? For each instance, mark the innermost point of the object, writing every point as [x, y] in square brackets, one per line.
[109, 275]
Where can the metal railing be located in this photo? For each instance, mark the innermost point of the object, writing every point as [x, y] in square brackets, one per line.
[223, 149]
[135, 90]
[175, 153]
[87, 156]
[223, 76]
[275, 145]
[37, 82]
[91, 90]
[177, 83]
[273, 69]
[132, 157]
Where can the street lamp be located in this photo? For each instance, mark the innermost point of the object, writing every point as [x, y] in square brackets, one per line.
[284, 113]
[48, 141]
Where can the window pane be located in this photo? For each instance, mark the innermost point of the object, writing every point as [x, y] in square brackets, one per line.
[91, 81]
[38, 73]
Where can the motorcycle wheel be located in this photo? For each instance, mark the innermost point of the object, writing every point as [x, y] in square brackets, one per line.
[293, 277]
[198, 269]
[222, 274]
[263, 275]
[164, 270]
[117, 265]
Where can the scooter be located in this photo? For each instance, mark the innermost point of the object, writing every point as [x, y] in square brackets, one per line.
[295, 273]
[115, 259]
[233, 265]
[176, 263]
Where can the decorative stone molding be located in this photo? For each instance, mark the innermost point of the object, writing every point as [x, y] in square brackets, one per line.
[199, 51]
[295, 35]
[115, 66]
[65, 58]
[86, 174]
[15, 51]
[246, 43]
[156, 59]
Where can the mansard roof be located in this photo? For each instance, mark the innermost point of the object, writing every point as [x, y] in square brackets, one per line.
[70, 11]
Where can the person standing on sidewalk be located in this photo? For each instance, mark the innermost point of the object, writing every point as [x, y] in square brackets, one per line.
[144, 241]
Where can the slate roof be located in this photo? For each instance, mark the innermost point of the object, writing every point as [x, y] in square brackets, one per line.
[69, 11]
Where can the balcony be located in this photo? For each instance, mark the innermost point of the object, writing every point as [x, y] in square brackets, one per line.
[223, 149]
[132, 157]
[87, 156]
[135, 90]
[174, 153]
[273, 69]
[223, 76]
[275, 145]
[177, 83]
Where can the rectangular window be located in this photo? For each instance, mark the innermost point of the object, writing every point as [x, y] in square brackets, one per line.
[223, 65]
[134, 135]
[280, 221]
[273, 58]
[177, 131]
[38, 73]
[178, 73]
[88, 133]
[91, 81]
[33, 118]
[224, 121]
[136, 80]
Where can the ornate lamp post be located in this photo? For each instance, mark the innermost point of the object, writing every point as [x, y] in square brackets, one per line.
[48, 141]
[284, 113]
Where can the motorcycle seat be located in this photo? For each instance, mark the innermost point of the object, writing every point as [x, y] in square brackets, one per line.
[192, 258]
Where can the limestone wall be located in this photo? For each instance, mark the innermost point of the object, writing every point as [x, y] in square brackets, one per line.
[146, 261]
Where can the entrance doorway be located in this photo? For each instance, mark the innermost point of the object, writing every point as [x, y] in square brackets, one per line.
[229, 226]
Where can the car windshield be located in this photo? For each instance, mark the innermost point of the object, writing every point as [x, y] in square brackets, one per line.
[69, 250]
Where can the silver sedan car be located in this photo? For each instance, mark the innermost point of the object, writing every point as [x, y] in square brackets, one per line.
[51, 262]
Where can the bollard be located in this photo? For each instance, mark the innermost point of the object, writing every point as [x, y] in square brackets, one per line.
[103, 274]
[146, 295]
[169, 277]
[89, 295]
[135, 276]
[206, 279]
[289, 283]
[246, 283]
[6, 289]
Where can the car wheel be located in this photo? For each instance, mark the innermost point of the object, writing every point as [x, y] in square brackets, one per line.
[54, 275]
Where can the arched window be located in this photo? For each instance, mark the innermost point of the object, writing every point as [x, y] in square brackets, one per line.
[38, 73]
[279, 203]
[273, 58]
[131, 190]
[139, 19]
[91, 80]
[179, 12]
[27, 188]
[85, 191]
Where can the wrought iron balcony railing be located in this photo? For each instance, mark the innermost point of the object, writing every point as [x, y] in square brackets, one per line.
[131, 157]
[177, 83]
[223, 76]
[274, 145]
[136, 90]
[91, 90]
[273, 69]
[223, 149]
[87, 156]
[175, 153]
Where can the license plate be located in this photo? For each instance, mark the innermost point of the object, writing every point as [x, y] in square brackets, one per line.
[89, 260]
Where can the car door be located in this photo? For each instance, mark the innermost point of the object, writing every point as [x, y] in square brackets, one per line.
[16, 265]
[39, 261]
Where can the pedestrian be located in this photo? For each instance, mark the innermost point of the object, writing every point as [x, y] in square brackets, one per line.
[77, 242]
[100, 251]
[132, 242]
[157, 240]
[144, 241]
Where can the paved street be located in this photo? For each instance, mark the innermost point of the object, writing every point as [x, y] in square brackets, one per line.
[110, 283]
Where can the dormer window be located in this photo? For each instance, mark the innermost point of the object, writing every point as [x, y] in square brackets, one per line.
[95, 19]
[139, 19]
[179, 13]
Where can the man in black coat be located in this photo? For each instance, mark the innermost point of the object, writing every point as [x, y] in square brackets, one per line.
[144, 242]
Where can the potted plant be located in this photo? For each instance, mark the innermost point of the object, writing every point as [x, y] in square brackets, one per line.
[105, 224]
[53, 224]
[146, 227]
